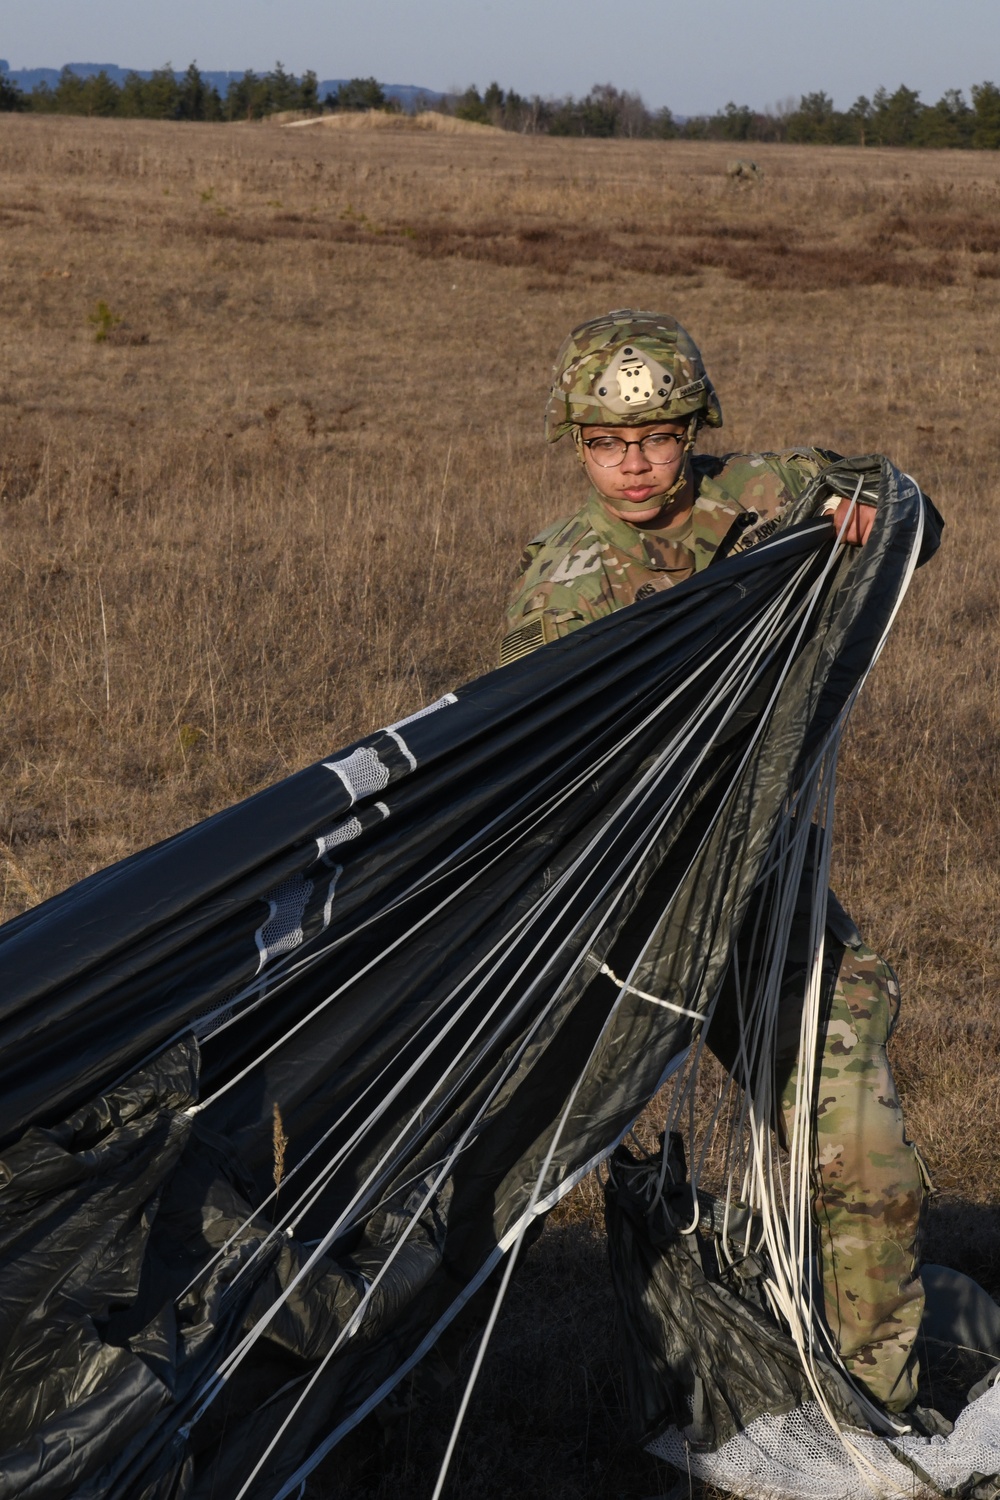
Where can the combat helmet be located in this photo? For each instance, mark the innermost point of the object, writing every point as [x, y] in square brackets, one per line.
[628, 368]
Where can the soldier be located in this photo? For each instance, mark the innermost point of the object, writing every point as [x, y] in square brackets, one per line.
[632, 391]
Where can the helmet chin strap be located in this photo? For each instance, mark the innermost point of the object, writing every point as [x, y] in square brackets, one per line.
[663, 500]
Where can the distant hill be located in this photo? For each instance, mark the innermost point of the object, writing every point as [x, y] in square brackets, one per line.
[29, 78]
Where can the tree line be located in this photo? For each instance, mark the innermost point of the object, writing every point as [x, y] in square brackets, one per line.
[897, 119]
[165, 96]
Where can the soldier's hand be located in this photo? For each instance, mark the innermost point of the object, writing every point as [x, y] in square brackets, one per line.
[859, 525]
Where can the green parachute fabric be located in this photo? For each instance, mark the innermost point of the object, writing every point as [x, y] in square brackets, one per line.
[435, 976]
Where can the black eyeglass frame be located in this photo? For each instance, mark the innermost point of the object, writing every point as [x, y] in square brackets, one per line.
[678, 439]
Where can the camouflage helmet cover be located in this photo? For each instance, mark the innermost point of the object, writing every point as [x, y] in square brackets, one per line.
[625, 369]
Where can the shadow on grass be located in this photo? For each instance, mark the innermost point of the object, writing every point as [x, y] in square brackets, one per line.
[965, 1236]
[548, 1415]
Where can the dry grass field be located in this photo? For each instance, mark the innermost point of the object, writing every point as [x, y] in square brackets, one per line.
[273, 494]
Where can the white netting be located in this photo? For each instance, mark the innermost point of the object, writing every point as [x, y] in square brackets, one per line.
[340, 833]
[361, 772]
[283, 929]
[422, 713]
[798, 1456]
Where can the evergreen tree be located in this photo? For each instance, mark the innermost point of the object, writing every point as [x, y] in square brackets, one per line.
[359, 93]
[192, 96]
[160, 94]
[470, 106]
[282, 90]
[132, 99]
[11, 97]
[986, 106]
[101, 94]
[817, 122]
[309, 92]
[948, 123]
[663, 126]
[493, 104]
[564, 118]
[600, 111]
[859, 118]
[896, 117]
[247, 97]
[735, 123]
[69, 95]
[42, 99]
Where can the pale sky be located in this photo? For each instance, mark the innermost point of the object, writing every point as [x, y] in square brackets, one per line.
[692, 58]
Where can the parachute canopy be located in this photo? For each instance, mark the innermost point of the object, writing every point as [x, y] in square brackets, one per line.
[278, 1094]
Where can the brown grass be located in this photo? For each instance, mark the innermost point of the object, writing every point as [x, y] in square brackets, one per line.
[282, 505]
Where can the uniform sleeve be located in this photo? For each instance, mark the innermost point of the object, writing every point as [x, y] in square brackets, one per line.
[788, 475]
[562, 585]
[766, 485]
[538, 613]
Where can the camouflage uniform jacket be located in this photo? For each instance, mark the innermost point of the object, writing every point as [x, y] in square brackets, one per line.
[588, 565]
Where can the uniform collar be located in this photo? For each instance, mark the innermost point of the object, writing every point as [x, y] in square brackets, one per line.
[615, 533]
[625, 538]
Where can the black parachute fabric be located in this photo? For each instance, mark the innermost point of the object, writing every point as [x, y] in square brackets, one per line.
[701, 1351]
[423, 985]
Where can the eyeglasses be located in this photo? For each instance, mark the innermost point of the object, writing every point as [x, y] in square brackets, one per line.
[657, 447]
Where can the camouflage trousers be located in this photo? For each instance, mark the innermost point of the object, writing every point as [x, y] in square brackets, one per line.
[870, 1183]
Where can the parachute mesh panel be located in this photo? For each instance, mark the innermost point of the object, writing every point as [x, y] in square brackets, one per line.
[340, 833]
[283, 929]
[421, 713]
[362, 772]
[798, 1456]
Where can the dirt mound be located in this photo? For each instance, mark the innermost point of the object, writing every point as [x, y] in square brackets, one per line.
[380, 119]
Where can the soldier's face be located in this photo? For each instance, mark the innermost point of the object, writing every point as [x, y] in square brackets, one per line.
[636, 479]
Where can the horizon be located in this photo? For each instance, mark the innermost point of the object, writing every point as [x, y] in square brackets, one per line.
[761, 56]
[405, 91]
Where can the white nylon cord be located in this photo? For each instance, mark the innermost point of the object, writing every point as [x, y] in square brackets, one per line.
[680, 1010]
[805, 822]
[656, 773]
[623, 989]
[507, 1242]
[556, 1138]
[329, 1443]
[787, 1221]
[240, 1351]
[354, 1206]
[584, 855]
[762, 627]
[712, 702]
[322, 953]
[512, 1258]
[299, 964]
[443, 1173]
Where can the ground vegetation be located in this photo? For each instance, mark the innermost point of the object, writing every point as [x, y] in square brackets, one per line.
[269, 447]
